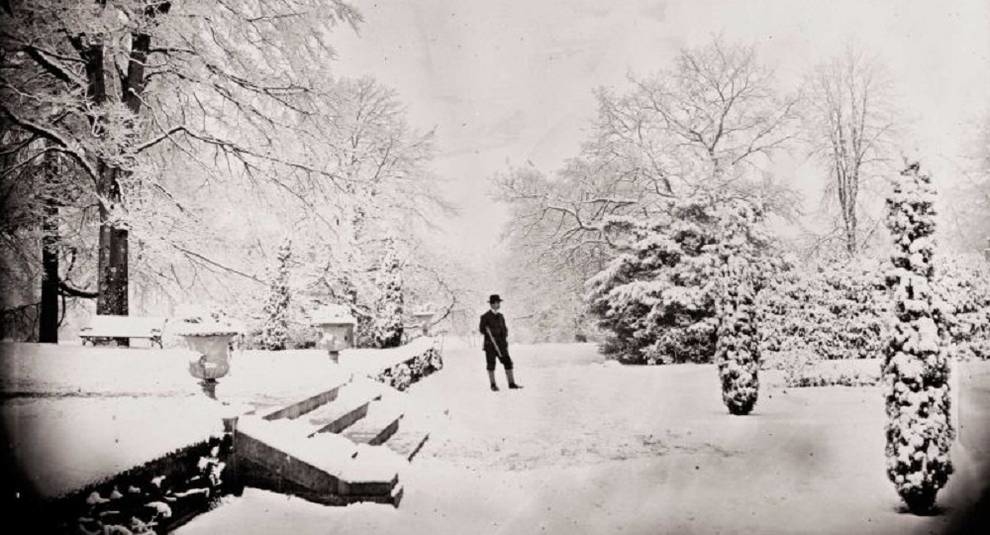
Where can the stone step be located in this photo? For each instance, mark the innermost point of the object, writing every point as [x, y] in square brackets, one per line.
[333, 468]
[393, 497]
[350, 405]
[378, 425]
[371, 464]
[407, 443]
[309, 404]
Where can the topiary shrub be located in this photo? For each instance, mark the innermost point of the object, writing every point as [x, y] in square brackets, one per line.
[275, 331]
[388, 324]
[916, 367]
[737, 348]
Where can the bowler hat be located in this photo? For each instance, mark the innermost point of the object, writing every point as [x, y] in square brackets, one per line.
[494, 298]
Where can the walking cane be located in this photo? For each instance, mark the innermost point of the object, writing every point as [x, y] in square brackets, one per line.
[492, 338]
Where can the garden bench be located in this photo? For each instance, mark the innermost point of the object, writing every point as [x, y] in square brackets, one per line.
[109, 327]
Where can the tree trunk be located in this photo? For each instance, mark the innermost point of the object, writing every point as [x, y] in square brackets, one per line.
[112, 260]
[113, 246]
[112, 255]
[48, 315]
[851, 245]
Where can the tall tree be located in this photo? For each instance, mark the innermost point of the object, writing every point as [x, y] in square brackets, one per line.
[116, 86]
[851, 123]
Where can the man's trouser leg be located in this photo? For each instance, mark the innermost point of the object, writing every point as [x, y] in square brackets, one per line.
[507, 364]
[490, 364]
[511, 379]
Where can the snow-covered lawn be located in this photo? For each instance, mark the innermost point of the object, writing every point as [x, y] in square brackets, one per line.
[593, 447]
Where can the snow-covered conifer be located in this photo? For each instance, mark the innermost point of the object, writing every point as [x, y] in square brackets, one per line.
[737, 349]
[651, 298]
[275, 333]
[656, 299]
[915, 367]
[389, 309]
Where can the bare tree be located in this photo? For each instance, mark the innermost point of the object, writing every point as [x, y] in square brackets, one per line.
[709, 123]
[851, 125]
[967, 204]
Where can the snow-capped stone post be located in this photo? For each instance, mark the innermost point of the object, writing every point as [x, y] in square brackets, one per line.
[275, 333]
[737, 348]
[336, 324]
[422, 317]
[916, 365]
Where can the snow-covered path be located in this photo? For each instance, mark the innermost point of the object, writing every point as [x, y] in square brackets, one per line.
[588, 447]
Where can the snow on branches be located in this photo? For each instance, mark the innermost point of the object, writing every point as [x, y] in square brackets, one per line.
[916, 364]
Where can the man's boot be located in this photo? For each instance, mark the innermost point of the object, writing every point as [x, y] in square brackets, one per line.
[511, 379]
[491, 380]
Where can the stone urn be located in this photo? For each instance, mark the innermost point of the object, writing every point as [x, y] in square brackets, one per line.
[336, 325]
[211, 345]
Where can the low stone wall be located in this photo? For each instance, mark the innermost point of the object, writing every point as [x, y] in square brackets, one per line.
[156, 497]
[403, 374]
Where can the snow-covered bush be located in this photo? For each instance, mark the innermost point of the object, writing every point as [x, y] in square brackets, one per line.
[740, 244]
[435, 360]
[389, 308]
[963, 299]
[803, 368]
[403, 374]
[835, 310]
[916, 365]
[384, 376]
[656, 299]
[652, 298]
[275, 332]
[401, 377]
[418, 366]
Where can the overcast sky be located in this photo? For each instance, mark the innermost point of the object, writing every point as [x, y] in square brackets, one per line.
[510, 81]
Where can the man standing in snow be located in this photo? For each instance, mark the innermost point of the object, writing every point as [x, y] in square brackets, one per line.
[495, 334]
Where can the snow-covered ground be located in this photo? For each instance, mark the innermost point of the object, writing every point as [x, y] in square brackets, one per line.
[75, 415]
[593, 447]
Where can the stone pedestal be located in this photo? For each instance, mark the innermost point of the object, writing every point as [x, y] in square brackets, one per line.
[337, 327]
